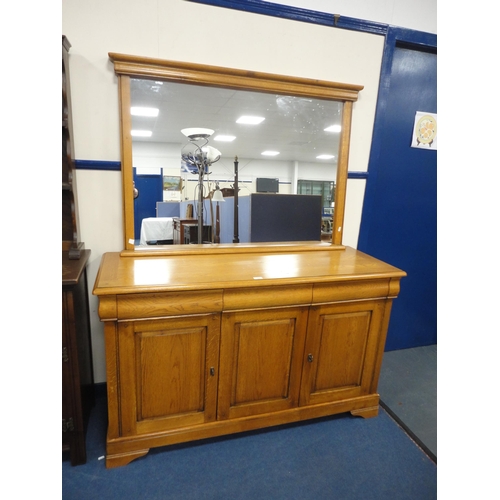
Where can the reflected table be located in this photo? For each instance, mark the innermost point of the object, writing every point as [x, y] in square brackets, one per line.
[155, 229]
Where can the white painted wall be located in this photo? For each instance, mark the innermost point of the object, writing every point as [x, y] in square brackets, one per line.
[185, 31]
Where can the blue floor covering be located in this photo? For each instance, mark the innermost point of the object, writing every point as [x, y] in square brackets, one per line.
[340, 457]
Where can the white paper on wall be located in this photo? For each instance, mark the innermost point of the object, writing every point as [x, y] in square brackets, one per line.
[424, 131]
[171, 196]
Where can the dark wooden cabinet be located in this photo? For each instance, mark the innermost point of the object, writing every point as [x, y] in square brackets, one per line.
[191, 233]
[70, 231]
[77, 369]
[178, 229]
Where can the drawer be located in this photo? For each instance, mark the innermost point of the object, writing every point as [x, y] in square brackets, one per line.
[267, 296]
[156, 305]
[350, 290]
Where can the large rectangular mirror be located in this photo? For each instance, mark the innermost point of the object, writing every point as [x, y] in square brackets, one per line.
[306, 121]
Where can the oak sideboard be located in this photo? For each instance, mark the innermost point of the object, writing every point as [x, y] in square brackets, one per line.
[207, 342]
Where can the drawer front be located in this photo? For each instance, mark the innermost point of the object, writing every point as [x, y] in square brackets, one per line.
[350, 290]
[266, 296]
[157, 305]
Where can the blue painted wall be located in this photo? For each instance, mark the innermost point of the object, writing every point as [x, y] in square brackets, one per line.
[399, 219]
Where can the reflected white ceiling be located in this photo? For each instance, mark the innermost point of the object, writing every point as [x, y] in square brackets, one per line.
[294, 126]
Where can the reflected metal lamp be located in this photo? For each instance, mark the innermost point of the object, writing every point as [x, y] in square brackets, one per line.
[198, 156]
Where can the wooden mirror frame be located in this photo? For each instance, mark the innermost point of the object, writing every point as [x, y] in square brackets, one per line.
[127, 66]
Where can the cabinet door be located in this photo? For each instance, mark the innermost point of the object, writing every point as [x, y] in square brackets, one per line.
[168, 373]
[260, 361]
[343, 349]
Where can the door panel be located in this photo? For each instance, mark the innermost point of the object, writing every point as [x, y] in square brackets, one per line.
[341, 353]
[168, 372]
[185, 350]
[261, 358]
[343, 345]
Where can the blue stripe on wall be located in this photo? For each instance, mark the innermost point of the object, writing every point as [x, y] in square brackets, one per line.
[357, 175]
[98, 165]
[116, 166]
[298, 14]
[270, 9]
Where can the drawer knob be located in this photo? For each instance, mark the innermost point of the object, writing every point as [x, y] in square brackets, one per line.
[212, 371]
[310, 358]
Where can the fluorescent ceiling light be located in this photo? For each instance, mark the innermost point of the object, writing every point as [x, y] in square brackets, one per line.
[250, 120]
[270, 153]
[141, 133]
[325, 157]
[333, 128]
[136, 111]
[224, 138]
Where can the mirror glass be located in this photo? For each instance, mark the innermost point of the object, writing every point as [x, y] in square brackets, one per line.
[303, 133]
[298, 138]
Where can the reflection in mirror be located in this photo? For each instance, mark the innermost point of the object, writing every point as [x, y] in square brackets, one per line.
[295, 138]
[283, 148]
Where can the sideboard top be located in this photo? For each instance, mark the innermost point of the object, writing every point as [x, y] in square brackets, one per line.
[122, 275]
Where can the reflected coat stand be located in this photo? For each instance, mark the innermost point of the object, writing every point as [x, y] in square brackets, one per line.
[236, 238]
[217, 224]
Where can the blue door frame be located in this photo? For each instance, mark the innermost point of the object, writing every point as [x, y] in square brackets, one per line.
[399, 218]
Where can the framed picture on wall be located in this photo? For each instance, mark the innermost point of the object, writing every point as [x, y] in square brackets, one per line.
[172, 183]
[424, 131]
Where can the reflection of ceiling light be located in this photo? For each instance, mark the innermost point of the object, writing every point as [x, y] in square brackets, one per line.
[135, 111]
[141, 133]
[250, 120]
[333, 128]
[325, 157]
[270, 153]
[225, 138]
